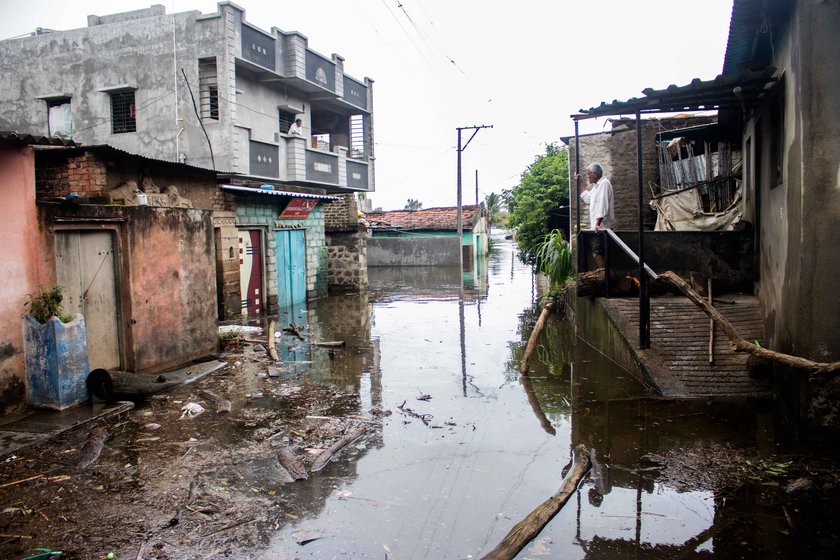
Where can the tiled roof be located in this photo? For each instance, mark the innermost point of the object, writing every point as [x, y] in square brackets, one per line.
[440, 219]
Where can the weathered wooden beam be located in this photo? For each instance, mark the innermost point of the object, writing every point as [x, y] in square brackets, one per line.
[525, 531]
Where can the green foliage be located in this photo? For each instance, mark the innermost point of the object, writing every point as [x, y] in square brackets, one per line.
[553, 258]
[230, 334]
[761, 470]
[542, 186]
[47, 304]
[412, 204]
[493, 202]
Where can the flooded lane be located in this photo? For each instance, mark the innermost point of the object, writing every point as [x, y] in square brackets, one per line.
[453, 473]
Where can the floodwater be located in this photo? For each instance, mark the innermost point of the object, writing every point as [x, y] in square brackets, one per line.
[458, 447]
[449, 475]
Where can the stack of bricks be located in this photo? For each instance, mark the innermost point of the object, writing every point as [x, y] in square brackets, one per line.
[341, 215]
[346, 246]
[83, 174]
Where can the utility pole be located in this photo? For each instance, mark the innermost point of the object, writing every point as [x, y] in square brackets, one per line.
[476, 187]
[475, 130]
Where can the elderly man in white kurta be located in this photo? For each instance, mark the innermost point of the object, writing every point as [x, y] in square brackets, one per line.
[601, 211]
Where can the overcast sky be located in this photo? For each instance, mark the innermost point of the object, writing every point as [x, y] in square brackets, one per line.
[522, 67]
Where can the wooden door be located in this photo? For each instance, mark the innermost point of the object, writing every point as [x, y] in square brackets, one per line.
[86, 269]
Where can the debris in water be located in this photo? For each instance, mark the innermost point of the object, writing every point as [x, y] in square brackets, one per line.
[191, 410]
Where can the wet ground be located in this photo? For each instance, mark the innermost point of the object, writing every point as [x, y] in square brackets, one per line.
[453, 448]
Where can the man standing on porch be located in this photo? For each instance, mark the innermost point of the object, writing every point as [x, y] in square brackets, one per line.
[601, 212]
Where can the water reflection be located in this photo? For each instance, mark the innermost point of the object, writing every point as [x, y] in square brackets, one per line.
[495, 443]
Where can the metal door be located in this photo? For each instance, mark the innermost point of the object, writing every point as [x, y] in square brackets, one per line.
[251, 272]
[86, 269]
[291, 267]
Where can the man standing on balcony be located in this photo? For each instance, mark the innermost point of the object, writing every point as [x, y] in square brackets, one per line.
[601, 212]
[296, 128]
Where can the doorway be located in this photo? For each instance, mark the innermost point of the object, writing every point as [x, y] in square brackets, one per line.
[86, 269]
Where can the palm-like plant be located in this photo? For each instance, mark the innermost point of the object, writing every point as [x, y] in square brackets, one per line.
[554, 259]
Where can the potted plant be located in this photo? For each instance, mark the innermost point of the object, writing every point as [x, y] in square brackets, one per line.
[55, 353]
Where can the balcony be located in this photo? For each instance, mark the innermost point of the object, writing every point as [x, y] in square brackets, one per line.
[294, 160]
[284, 59]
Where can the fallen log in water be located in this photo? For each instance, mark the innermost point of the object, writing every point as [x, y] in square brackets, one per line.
[532, 341]
[524, 531]
[328, 453]
[739, 344]
[291, 463]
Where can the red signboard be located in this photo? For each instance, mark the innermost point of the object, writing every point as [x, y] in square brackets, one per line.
[298, 208]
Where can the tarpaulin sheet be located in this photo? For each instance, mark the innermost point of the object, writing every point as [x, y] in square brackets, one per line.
[683, 211]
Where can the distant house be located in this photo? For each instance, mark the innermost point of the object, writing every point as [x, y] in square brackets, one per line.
[427, 237]
[139, 265]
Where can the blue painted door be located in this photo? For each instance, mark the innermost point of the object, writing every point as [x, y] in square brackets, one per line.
[291, 271]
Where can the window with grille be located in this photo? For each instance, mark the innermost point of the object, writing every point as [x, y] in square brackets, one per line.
[208, 88]
[123, 112]
[285, 120]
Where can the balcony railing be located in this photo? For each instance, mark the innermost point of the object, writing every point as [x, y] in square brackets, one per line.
[291, 160]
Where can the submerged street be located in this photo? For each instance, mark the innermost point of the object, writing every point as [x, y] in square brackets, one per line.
[457, 447]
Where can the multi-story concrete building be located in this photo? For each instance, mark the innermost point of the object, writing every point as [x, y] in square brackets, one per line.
[211, 90]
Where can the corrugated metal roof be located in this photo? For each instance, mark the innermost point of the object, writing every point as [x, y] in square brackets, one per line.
[21, 138]
[427, 219]
[250, 190]
[751, 30]
[723, 92]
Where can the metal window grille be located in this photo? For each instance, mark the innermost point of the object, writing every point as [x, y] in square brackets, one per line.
[357, 136]
[123, 112]
[208, 88]
[285, 120]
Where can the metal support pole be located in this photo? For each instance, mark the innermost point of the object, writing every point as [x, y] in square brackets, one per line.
[578, 246]
[476, 188]
[644, 298]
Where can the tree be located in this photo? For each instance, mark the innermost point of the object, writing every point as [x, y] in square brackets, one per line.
[493, 202]
[413, 204]
[542, 188]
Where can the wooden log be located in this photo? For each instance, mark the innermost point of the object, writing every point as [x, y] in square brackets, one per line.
[328, 453]
[291, 463]
[525, 531]
[330, 344]
[737, 343]
[222, 405]
[591, 283]
[711, 324]
[272, 350]
[532, 340]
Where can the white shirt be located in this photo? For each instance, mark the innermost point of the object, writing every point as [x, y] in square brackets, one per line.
[296, 129]
[600, 201]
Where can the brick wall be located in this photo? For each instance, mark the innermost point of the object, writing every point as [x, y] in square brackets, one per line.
[616, 152]
[341, 214]
[60, 174]
[347, 260]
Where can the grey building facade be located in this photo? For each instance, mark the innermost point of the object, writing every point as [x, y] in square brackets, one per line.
[211, 90]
